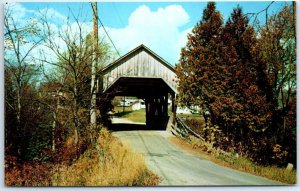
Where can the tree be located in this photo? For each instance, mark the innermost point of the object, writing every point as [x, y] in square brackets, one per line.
[195, 64]
[244, 79]
[73, 62]
[51, 96]
[248, 77]
[20, 39]
[277, 48]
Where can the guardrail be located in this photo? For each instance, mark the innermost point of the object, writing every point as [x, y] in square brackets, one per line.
[181, 129]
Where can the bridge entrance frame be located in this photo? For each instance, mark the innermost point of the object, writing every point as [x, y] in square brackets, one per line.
[143, 74]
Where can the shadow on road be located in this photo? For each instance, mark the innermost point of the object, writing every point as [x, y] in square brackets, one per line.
[132, 127]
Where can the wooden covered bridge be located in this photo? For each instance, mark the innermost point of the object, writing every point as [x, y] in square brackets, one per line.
[143, 74]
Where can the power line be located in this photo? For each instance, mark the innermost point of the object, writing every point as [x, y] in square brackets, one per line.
[109, 37]
[116, 10]
[106, 33]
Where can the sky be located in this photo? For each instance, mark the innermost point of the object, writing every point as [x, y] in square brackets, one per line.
[161, 26]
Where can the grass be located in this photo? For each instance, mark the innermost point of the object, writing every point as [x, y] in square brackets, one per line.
[112, 164]
[193, 115]
[107, 163]
[119, 109]
[238, 163]
[135, 116]
[270, 172]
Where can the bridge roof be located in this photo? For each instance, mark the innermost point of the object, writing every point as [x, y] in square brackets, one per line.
[133, 52]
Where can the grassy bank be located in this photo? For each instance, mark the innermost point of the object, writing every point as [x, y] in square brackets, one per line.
[112, 164]
[239, 163]
[133, 115]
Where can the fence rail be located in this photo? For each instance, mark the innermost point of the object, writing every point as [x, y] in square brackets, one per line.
[183, 129]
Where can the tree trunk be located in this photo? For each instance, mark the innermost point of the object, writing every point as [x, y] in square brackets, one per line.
[76, 122]
[54, 124]
[18, 128]
[75, 113]
[53, 130]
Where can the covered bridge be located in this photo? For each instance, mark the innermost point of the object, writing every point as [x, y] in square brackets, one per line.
[143, 74]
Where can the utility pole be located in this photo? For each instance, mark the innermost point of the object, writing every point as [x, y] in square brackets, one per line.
[93, 119]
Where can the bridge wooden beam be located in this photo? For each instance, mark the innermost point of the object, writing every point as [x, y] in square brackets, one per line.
[174, 108]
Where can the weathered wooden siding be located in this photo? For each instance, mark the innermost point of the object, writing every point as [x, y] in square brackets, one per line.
[140, 64]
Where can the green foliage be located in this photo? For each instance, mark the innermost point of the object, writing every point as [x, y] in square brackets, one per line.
[21, 101]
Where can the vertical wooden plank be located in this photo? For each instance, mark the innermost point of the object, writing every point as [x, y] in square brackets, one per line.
[137, 64]
[174, 108]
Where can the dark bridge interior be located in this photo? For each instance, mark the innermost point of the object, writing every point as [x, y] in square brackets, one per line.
[134, 127]
[155, 92]
[140, 87]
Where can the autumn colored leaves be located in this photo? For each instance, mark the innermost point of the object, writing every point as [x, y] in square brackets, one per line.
[229, 69]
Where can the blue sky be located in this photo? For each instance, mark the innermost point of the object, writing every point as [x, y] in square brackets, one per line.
[162, 26]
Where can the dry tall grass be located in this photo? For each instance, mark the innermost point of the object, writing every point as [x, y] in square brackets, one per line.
[112, 164]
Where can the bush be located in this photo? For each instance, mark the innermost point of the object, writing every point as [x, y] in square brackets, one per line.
[26, 174]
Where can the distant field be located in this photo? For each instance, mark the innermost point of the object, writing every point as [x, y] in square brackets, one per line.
[135, 116]
[119, 109]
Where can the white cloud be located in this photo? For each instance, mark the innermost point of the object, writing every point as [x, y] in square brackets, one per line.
[16, 10]
[158, 30]
[54, 15]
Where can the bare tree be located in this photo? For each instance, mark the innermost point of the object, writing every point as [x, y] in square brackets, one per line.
[51, 95]
[20, 38]
[71, 46]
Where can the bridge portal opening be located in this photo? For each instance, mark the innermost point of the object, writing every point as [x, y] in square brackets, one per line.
[150, 96]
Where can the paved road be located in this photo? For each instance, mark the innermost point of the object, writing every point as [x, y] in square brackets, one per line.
[117, 120]
[179, 167]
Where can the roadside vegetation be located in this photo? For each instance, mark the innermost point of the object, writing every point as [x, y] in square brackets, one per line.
[112, 164]
[234, 161]
[109, 163]
[231, 158]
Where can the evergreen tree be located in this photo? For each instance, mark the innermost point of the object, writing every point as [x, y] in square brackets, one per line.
[247, 73]
[219, 70]
[195, 68]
